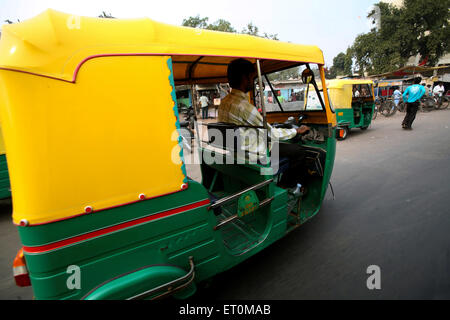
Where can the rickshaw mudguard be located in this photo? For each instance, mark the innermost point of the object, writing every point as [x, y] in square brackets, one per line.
[140, 281]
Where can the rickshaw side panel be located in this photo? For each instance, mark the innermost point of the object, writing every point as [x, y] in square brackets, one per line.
[121, 248]
[120, 110]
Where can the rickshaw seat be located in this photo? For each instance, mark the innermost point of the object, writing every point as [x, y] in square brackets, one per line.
[222, 127]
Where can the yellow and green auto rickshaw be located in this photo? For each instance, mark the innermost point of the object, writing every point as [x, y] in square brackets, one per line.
[101, 197]
[354, 103]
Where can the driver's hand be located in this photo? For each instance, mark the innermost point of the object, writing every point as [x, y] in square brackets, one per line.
[303, 129]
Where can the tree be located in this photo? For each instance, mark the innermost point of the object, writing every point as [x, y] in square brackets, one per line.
[292, 73]
[105, 15]
[253, 30]
[419, 27]
[429, 28]
[196, 22]
[342, 65]
[330, 73]
[224, 26]
[221, 25]
[10, 22]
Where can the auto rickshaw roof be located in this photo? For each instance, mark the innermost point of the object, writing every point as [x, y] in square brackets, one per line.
[340, 83]
[56, 44]
[341, 91]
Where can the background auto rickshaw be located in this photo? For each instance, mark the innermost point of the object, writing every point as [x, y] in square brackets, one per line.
[101, 198]
[351, 111]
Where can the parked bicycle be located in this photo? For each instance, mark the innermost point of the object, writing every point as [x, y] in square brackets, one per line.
[427, 104]
[387, 107]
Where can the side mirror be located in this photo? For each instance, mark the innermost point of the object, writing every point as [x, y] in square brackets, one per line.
[307, 76]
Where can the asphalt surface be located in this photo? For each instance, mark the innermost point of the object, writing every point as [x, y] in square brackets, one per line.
[391, 210]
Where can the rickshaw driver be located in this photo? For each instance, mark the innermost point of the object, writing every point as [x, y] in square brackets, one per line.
[236, 109]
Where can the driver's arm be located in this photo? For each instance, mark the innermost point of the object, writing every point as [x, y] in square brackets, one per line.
[252, 117]
[282, 134]
[303, 129]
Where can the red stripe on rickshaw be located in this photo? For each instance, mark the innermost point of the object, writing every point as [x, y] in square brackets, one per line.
[102, 232]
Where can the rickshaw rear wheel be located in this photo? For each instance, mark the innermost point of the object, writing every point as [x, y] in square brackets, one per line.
[364, 128]
[345, 134]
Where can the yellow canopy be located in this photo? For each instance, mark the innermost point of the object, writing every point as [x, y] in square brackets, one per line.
[56, 44]
[340, 83]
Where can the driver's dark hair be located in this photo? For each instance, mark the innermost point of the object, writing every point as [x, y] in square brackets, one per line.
[237, 69]
[417, 80]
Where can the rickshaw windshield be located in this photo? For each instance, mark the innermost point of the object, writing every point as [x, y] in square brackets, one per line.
[362, 90]
[285, 91]
[313, 102]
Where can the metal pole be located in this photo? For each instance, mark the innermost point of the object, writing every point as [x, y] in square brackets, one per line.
[263, 107]
[194, 102]
[261, 94]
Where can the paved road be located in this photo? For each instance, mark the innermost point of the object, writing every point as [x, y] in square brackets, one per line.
[391, 210]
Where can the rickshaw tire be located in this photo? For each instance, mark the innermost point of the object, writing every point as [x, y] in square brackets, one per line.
[346, 132]
[364, 128]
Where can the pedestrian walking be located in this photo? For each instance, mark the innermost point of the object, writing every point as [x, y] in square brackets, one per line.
[204, 103]
[397, 96]
[412, 96]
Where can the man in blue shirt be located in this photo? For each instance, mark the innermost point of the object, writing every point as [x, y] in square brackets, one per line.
[412, 96]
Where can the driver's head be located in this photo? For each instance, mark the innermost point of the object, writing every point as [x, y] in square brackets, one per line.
[417, 80]
[240, 72]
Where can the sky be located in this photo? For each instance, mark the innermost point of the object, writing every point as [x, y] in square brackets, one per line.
[330, 24]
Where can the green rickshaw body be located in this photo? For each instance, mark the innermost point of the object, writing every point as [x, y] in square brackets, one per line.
[102, 201]
[5, 191]
[5, 186]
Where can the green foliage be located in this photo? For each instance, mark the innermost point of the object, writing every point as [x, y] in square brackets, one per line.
[330, 73]
[196, 22]
[251, 29]
[292, 73]
[224, 26]
[106, 15]
[221, 25]
[342, 65]
[419, 27]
